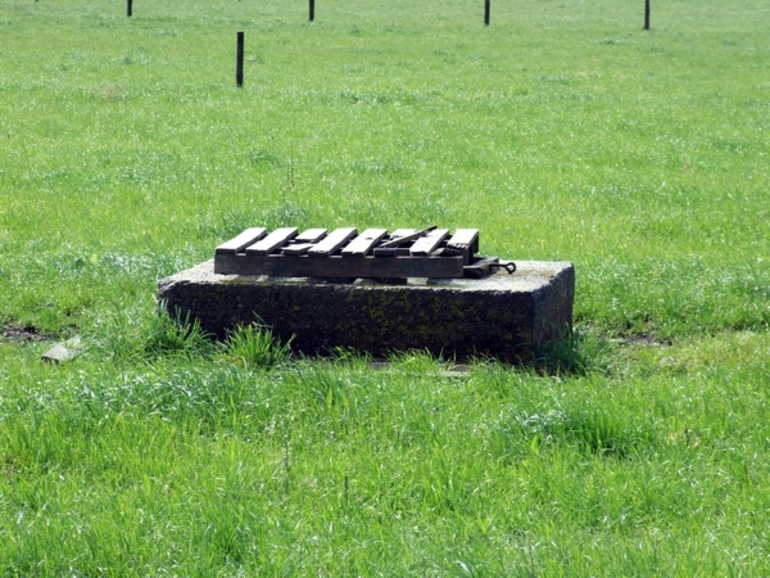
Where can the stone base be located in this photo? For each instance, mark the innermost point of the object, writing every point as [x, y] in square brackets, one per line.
[509, 317]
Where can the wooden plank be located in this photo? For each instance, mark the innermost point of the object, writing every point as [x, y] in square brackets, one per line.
[383, 251]
[363, 244]
[310, 236]
[427, 244]
[466, 241]
[464, 238]
[330, 244]
[296, 248]
[400, 240]
[380, 252]
[239, 243]
[336, 266]
[273, 241]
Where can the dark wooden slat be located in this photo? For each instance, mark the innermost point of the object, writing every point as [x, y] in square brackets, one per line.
[398, 233]
[310, 236]
[335, 240]
[446, 252]
[339, 267]
[427, 244]
[296, 248]
[272, 241]
[383, 251]
[400, 240]
[363, 244]
[466, 241]
[239, 243]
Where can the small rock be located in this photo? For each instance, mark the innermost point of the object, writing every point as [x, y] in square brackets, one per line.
[64, 351]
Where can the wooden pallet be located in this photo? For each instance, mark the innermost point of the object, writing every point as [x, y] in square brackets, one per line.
[344, 253]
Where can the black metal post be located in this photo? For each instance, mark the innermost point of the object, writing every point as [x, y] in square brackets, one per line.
[486, 12]
[312, 10]
[129, 7]
[646, 14]
[239, 61]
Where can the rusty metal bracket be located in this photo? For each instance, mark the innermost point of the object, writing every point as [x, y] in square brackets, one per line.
[485, 266]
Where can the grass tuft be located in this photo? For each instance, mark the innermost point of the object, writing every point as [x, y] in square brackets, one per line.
[590, 431]
[131, 335]
[255, 346]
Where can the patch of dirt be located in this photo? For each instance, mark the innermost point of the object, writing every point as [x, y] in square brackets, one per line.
[27, 334]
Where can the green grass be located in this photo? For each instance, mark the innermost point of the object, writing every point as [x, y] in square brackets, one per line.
[563, 131]
[202, 468]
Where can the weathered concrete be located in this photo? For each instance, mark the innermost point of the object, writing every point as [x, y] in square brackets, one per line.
[509, 317]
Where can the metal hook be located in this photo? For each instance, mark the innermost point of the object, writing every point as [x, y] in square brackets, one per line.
[509, 266]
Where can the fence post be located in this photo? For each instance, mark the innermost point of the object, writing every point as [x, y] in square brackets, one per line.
[486, 12]
[239, 61]
[312, 10]
[646, 14]
[129, 7]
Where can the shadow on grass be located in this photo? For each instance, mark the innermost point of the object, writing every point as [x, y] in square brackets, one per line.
[590, 430]
[581, 352]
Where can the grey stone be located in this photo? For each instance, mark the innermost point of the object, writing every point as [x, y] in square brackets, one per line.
[509, 317]
[64, 351]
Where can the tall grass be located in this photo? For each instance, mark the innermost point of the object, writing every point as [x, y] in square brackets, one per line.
[200, 468]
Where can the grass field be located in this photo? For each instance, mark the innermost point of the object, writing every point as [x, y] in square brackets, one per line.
[563, 131]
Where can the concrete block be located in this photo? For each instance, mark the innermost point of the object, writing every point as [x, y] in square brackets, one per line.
[509, 317]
